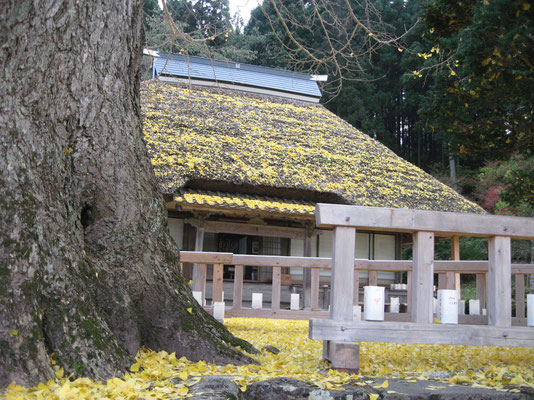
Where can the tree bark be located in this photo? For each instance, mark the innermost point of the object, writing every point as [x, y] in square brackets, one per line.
[88, 270]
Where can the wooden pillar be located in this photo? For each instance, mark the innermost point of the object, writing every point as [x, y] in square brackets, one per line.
[199, 270]
[307, 272]
[356, 294]
[217, 287]
[315, 278]
[409, 292]
[342, 293]
[276, 287]
[422, 277]
[447, 280]
[373, 278]
[238, 287]
[520, 295]
[481, 285]
[342, 355]
[453, 278]
[500, 281]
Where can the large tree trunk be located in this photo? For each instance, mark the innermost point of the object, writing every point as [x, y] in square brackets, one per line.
[87, 267]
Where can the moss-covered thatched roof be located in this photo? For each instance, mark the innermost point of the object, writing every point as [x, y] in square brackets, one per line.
[221, 201]
[226, 136]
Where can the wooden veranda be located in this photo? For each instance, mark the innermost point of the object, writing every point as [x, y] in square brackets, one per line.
[337, 328]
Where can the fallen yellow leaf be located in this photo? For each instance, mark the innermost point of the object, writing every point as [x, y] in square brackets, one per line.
[59, 373]
[135, 367]
[384, 385]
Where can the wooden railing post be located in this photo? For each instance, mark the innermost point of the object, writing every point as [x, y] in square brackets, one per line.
[453, 278]
[422, 277]
[520, 295]
[238, 288]
[481, 285]
[373, 278]
[276, 286]
[409, 291]
[342, 294]
[217, 287]
[199, 270]
[315, 278]
[356, 285]
[499, 281]
[306, 272]
[342, 354]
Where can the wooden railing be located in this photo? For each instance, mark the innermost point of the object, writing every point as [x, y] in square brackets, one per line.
[340, 331]
[239, 261]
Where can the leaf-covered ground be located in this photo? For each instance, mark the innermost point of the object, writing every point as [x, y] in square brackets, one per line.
[164, 376]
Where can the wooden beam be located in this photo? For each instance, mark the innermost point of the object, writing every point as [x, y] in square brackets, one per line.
[402, 220]
[381, 265]
[408, 332]
[280, 314]
[422, 277]
[280, 261]
[206, 257]
[252, 229]
[466, 267]
[499, 281]
[526, 269]
[342, 273]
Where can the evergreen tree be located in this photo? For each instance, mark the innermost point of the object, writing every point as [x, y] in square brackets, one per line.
[483, 95]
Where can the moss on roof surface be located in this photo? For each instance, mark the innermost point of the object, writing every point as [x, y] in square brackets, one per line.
[226, 136]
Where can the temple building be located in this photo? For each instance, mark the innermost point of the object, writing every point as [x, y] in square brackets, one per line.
[243, 153]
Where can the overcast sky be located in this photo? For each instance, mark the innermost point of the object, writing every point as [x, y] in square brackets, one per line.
[244, 7]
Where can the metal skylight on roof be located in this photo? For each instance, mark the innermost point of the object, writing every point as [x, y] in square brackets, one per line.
[227, 74]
